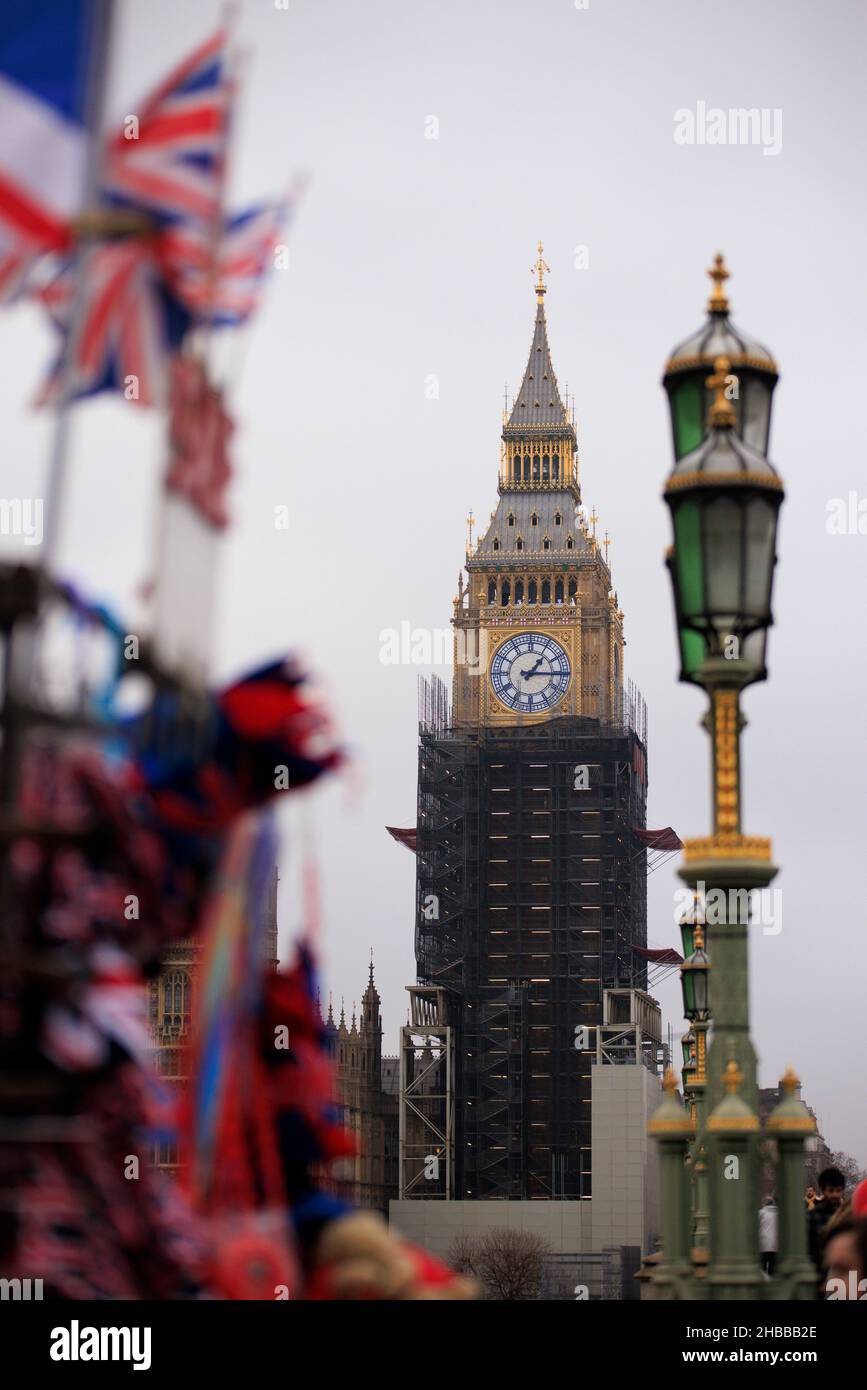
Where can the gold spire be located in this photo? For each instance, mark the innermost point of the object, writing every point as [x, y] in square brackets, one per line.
[718, 302]
[539, 270]
[732, 1076]
[722, 412]
[471, 521]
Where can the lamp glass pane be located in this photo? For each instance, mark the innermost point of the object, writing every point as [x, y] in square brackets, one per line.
[688, 412]
[688, 981]
[755, 414]
[693, 650]
[761, 531]
[688, 556]
[722, 532]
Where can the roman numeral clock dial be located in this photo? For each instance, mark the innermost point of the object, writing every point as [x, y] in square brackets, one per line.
[530, 673]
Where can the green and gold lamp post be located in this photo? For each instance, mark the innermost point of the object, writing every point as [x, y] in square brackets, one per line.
[724, 499]
[695, 984]
[724, 496]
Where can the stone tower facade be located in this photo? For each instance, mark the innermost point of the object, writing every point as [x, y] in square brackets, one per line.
[367, 1087]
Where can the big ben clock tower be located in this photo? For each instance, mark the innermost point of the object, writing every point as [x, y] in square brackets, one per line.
[531, 891]
[537, 628]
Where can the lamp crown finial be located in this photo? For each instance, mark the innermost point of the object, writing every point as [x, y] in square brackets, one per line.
[732, 1076]
[722, 412]
[790, 1081]
[718, 302]
[669, 1082]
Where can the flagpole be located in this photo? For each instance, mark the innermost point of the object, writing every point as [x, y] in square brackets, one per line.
[102, 25]
[199, 339]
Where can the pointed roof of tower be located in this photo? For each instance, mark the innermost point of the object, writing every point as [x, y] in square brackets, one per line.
[371, 991]
[538, 404]
[330, 1025]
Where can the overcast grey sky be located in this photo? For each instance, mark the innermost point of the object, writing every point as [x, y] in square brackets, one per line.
[410, 257]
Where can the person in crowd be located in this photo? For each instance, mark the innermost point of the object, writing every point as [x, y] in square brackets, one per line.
[832, 1190]
[768, 1229]
[845, 1256]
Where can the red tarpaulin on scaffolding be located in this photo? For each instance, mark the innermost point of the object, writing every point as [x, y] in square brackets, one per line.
[665, 955]
[404, 837]
[666, 839]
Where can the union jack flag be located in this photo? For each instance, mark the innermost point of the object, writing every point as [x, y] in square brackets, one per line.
[128, 319]
[172, 164]
[126, 324]
[221, 286]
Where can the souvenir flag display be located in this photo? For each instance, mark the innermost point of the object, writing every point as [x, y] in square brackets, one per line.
[229, 1009]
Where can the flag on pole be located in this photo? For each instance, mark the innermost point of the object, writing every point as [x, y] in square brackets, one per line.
[127, 328]
[169, 159]
[223, 288]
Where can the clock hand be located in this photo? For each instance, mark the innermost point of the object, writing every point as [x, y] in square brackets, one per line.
[525, 675]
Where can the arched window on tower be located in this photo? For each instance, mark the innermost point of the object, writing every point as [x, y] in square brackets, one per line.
[558, 591]
[534, 520]
[511, 519]
[526, 468]
[573, 588]
[492, 591]
[532, 592]
[558, 520]
[569, 543]
[506, 592]
[546, 544]
[520, 544]
[546, 591]
[496, 544]
[519, 591]
[546, 468]
[516, 468]
[555, 466]
[535, 468]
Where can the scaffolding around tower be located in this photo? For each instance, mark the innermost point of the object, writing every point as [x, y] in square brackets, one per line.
[427, 1101]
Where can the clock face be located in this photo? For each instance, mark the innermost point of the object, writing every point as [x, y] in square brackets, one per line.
[530, 672]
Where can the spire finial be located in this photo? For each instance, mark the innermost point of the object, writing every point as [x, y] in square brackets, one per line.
[722, 413]
[669, 1082]
[471, 521]
[732, 1076]
[718, 302]
[539, 269]
[370, 975]
[594, 517]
